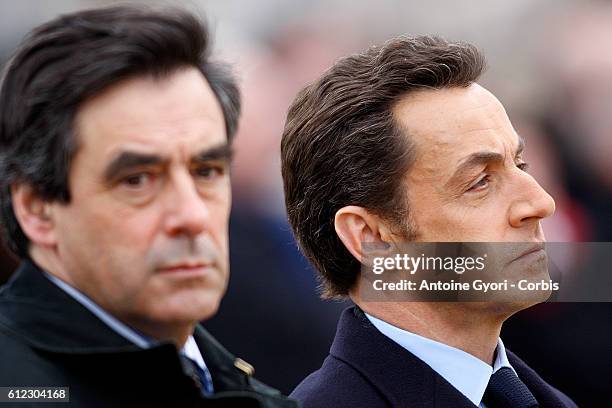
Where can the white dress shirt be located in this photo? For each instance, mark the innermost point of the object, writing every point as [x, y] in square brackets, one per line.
[468, 374]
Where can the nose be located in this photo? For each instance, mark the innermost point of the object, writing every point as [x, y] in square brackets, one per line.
[187, 212]
[531, 204]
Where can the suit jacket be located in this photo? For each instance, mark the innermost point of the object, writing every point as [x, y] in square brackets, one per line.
[367, 369]
[49, 339]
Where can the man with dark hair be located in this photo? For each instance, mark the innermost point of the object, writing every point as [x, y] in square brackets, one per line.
[115, 144]
[400, 144]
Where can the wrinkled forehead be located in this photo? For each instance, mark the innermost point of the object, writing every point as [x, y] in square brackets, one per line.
[447, 125]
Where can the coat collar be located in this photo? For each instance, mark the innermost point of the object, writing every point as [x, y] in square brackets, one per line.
[44, 316]
[47, 318]
[402, 378]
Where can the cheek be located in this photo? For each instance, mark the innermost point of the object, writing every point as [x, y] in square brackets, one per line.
[457, 224]
[119, 237]
[103, 252]
[136, 228]
[485, 223]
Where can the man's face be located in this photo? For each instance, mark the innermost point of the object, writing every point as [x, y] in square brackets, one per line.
[145, 232]
[468, 183]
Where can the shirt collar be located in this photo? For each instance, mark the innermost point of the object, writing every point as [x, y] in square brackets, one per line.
[468, 374]
[190, 349]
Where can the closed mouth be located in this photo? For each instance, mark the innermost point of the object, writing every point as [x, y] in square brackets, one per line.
[534, 249]
[184, 267]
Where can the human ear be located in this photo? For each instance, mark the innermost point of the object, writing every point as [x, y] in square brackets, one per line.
[33, 214]
[356, 225]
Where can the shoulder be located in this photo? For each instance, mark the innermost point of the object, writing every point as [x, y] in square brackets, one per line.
[27, 367]
[337, 384]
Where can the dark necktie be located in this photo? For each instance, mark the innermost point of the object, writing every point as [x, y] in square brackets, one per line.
[201, 378]
[506, 390]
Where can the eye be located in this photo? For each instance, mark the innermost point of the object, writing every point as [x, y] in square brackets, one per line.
[481, 184]
[138, 180]
[523, 166]
[209, 172]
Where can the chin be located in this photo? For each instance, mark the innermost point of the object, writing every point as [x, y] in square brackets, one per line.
[188, 310]
[507, 309]
[207, 311]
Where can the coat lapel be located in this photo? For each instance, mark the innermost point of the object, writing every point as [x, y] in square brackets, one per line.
[47, 318]
[402, 378]
[546, 395]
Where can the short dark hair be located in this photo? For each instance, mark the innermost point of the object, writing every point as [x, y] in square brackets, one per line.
[342, 146]
[72, 58]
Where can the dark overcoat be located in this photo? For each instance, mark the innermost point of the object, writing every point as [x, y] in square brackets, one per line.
[365, 369]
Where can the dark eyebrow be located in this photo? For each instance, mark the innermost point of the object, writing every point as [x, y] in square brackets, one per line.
[129, 160]
[474, 160]
[482, 158]
[220, 152]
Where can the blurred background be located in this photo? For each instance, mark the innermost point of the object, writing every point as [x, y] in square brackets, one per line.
[549, 63]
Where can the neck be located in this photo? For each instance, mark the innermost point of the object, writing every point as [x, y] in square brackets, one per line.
[471, 327]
